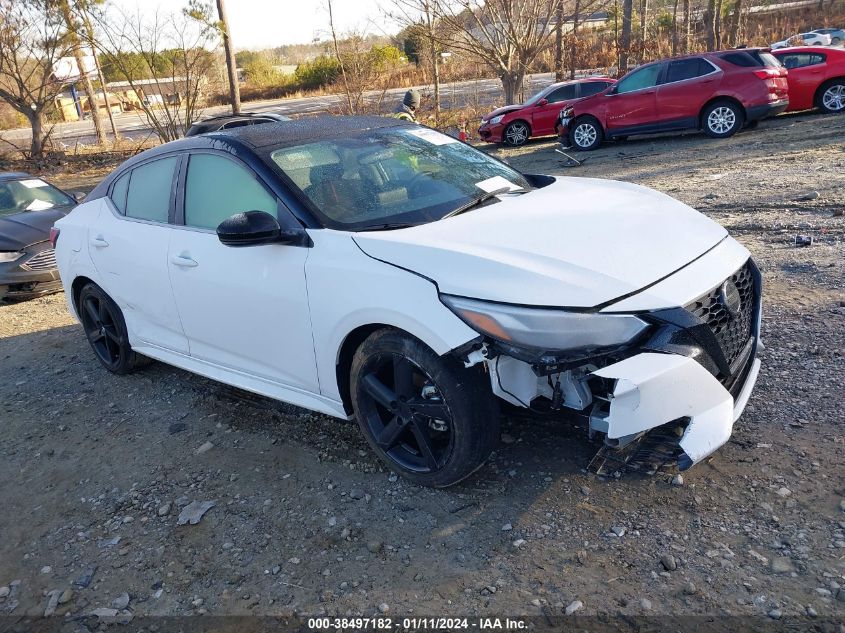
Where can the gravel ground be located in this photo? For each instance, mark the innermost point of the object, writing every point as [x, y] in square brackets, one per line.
[96, 468]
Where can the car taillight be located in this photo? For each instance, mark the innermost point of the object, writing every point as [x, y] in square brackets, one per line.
[54, 236]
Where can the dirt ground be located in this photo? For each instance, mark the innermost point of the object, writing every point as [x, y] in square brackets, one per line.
[95, 468]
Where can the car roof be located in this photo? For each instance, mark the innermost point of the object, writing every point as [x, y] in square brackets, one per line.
[240, 139]
[242, 115]
[807, 49]
[13, 175]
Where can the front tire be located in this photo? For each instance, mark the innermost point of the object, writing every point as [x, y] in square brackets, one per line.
[517, 133]
[722, 119]
[831, 97]
[585, 134]
[428, 418]
[106, 331]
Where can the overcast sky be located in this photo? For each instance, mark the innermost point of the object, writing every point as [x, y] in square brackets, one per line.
[266, 23]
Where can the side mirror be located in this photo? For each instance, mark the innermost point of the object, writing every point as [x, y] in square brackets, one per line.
[79, 196]
[253, 228]
[543, 102]
[614, 90]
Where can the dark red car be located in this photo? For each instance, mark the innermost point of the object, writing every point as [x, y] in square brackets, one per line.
[515, 124]
[717, 93]
[816, 77]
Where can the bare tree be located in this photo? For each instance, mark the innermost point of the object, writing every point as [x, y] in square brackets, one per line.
[231, 66]
[687, 26]
[675, 27]
[421, 17]
[507, 35]
[559, 40]
[32, 40]
[349, 98]
[203, 13]
[88, 32]
[625, 42]
[736, 19]
[165, 61]
[710, 25]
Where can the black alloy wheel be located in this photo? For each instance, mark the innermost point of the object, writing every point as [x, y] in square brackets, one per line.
[105, 328]
[428, 418]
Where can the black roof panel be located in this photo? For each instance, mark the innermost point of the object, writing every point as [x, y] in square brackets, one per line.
[306, 129]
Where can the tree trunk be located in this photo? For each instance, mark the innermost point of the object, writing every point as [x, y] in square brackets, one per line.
[717, 25]
[573, 48]
[559, 41]
[643, 23]
[73, 36]
[625, 46]
[36, 122]
[735, 20]
[511, 82]
[675, 28]
[709, 25]
[89, 34]
[435, 60]
[435, 68]
[687, 21]
[231, 66]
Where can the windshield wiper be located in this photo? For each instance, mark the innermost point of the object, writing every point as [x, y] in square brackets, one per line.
[478, 200]
[389, 226]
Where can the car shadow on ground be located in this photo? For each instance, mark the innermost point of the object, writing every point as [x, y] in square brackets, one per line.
[77, 431]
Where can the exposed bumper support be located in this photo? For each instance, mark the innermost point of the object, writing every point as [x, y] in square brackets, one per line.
[653, 389]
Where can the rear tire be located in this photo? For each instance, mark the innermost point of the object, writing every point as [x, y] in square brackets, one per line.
[585, 134]
[106, 331]
[428, 418]
[722, 119]
[831, 97]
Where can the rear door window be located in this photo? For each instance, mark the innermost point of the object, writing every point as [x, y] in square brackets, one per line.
[593, 87]
[682, 69]
[800, 60]
[563, 93]
[150, 190]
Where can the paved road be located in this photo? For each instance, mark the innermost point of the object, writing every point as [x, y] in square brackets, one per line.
[134, 124]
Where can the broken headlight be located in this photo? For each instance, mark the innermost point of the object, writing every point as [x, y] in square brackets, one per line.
[545, 328]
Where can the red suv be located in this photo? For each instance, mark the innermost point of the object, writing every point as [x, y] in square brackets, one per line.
[515, 124]
[714, 92]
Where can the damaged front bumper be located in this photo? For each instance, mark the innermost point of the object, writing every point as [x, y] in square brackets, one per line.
[653, 390]
[670, 398]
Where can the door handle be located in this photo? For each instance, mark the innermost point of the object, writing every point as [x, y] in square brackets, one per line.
[184, 261]
[99, 242]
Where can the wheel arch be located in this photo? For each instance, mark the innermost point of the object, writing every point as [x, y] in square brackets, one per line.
[346, 352]
[76, 288]
[717, 99]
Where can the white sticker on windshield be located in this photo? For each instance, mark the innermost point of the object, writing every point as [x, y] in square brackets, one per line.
[433, 136]
[33, 183]
[39, 205]
[497, 182]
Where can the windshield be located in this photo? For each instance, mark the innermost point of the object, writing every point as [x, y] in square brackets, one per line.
[395, 175]
[31, 194]
[537, 96]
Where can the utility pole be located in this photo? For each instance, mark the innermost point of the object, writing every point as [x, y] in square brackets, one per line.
[231, 66]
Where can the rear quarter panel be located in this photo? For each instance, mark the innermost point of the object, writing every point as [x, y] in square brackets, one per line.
[72, 256]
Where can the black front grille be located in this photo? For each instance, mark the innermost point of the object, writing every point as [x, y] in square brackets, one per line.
[732, 332]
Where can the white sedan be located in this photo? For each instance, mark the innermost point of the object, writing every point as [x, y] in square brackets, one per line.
[804, 39]
[373, 268]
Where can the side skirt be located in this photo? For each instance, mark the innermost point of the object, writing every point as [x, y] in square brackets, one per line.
[248, 382]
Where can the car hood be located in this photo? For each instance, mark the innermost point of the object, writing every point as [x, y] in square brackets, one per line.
[580, 242]
[23, 229]
[503, 110]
